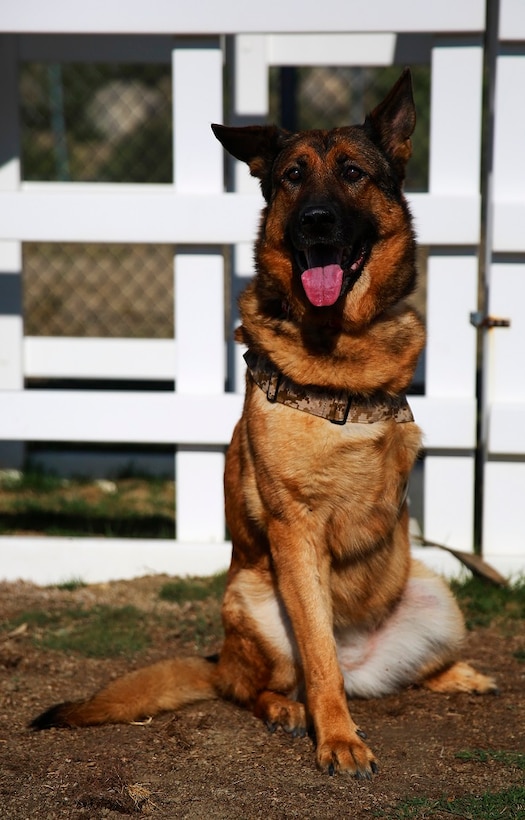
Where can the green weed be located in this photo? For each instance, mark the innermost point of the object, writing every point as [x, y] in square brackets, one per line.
[181, 590]
[509, 803]
[71, 585]
[483, 603]
[514, 759]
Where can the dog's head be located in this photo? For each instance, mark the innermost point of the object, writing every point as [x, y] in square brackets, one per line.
[336, 237]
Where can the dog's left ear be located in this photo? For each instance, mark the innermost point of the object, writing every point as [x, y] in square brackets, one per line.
[392, 123]
[257, 145]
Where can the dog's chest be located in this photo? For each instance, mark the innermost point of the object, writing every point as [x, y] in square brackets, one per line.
[337, 471]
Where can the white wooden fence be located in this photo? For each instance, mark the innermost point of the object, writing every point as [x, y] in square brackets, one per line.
[200, 218]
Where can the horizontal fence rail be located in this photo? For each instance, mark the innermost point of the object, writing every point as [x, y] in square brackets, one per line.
[120, 213]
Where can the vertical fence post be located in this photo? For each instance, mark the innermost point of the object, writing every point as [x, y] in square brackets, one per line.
[11, 321]
[504, 469]
[199, 282]
[452, 285]
[250, 96]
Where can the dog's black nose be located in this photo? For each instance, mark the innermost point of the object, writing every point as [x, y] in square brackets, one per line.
[317, 216]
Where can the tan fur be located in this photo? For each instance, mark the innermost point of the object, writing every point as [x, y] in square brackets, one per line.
[322, 594]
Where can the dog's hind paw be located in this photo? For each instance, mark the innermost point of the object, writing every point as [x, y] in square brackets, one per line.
[461, 677]
[278, 710]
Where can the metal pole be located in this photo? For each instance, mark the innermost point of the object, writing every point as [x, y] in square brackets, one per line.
[485, 258]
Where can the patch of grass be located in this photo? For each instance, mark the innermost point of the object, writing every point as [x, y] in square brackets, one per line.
[509, 803]
[513, 759]
[101, 632]
[37, 619]
[483, 603]
[519, 654]
[181, 590]
[197, 617]
[36, 481]
[104, 633]
[130, 507]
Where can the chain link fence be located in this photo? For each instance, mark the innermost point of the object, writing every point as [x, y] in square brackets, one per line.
[97, 123]
[113, 123]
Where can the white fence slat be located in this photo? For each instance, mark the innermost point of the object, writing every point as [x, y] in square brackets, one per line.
[348, 49]
[199, 283]
[506, 345]
[197, 102]
[512, 20]
[447, 423]
[199, 322]
[121, 214]
[509, 157]
[452, 285]
[507, 429]
[200, 503]
[200, 370]
[251, 87]
[119, 416]
[455, 139]
[57, 357]
[504, 473]
[504, 513]
[332, 49]
[212, 17]
[455, 123]
[53, 560]
[449, 500]
[509, 219]
[166, 417]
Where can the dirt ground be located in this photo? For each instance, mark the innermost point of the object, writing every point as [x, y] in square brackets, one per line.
[214, 760]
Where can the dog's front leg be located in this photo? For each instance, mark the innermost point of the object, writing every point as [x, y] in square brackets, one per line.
[303, 573]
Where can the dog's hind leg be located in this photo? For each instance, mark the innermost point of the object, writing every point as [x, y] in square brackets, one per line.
[461, 677]
[278, 710]
[418, 644]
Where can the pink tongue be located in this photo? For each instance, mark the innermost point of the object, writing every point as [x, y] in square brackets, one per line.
[323, 285]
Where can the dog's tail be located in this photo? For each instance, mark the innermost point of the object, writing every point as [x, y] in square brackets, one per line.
[165, 686]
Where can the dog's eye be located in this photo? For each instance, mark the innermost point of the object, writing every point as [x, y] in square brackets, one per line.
[351, 173]
[293, 174]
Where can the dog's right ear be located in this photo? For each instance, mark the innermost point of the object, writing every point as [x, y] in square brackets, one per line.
[257, 145]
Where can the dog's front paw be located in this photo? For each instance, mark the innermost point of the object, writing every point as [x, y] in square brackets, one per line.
[346, 755]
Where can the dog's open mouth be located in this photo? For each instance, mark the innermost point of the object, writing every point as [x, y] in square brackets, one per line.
[326, 269]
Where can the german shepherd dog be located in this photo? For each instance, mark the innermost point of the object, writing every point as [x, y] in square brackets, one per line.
[323, 599]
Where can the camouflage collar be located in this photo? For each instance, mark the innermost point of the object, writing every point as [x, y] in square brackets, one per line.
[337, 406]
